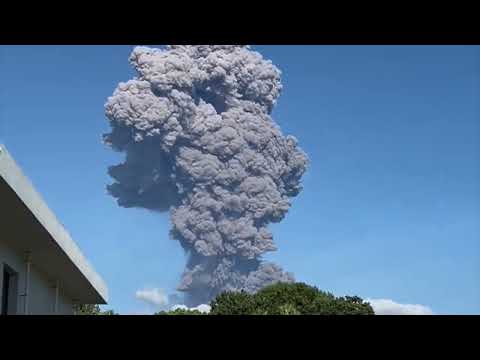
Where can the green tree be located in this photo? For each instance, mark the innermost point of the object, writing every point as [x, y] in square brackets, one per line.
[233, 303]
[288, 309]
[87, 309]
[91, 309]
[180, 312]
[288, 299]
[300, 296]
[349, 305]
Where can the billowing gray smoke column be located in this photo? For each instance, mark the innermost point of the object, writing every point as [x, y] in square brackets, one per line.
[199, 142]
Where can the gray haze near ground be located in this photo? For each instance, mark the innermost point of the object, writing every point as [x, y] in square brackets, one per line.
[199, 141]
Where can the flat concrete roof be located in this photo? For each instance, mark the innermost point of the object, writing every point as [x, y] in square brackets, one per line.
[27, 224]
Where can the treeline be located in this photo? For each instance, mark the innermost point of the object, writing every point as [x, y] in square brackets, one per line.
[289, 299]
[91, 309]
[276, 299]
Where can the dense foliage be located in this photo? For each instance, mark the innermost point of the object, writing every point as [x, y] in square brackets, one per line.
[91, 309]
[180, 312]
[288, 299]
[233, 303]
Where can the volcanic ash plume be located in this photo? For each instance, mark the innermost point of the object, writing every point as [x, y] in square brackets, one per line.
[199, 142]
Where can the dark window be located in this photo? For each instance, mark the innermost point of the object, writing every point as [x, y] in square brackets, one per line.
[6, 285]
[8, 290]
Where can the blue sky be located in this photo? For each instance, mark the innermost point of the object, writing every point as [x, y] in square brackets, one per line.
[391, 200]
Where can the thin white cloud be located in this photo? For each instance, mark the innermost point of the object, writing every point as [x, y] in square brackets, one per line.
[390, 307]
[158, 300]
[204, 308]
[155, 297]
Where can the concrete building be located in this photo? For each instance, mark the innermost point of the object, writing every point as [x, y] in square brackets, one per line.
[42, 270]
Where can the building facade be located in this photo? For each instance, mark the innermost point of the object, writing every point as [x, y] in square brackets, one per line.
[42, 270]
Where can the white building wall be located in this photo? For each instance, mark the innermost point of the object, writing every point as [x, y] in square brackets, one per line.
[41, 294]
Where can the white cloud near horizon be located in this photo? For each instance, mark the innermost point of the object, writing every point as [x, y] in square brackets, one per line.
[390, 307]
[155, 297]
[158, 299]
[204, 308]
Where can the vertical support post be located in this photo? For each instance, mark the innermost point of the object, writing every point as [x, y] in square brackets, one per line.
[28, 261]
[57, 290]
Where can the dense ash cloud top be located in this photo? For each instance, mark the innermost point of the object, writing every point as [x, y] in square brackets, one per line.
[199, 142]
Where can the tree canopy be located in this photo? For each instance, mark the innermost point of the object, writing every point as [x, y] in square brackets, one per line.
[91, 309]
[180, 312]
[288, 299]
